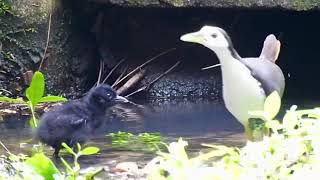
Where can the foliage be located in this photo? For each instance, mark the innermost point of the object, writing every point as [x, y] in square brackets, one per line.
[148, 142]
[43, 166]
[34, 95]
[257, 122]
[73, 172]
[39, 166]
[291, 151]
[4, 6]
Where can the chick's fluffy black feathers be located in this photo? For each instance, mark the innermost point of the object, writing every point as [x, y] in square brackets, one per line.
[74, 121]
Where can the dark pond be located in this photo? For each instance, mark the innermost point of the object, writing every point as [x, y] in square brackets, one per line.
[198, 122]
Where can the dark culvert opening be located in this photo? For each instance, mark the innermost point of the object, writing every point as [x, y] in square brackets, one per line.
[140, 33]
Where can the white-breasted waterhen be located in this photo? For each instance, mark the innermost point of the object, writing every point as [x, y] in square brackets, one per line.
[246, 81]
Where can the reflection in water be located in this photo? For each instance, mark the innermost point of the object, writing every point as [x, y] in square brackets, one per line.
[197, 122]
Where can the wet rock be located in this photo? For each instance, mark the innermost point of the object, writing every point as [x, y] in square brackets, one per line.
[177, 86]
[284, 4]
[129, 167]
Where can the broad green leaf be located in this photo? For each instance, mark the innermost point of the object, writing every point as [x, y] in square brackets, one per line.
[52, 99]
[42, 165]
[68, 149]
[272, 104]
[11, 100]
[36, 89]
[90, 151]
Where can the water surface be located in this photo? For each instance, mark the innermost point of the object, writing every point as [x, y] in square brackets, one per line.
[196, 121]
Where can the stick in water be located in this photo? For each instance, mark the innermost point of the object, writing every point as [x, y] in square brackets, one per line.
[155, 80]
[100, 73]
[131, 82]
[212, 66]
[4, 147]
[121, 75]
[113, 69]
[144, 64]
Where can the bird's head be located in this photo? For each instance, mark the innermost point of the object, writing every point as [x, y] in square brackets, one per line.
[104, 96]
[209, 36]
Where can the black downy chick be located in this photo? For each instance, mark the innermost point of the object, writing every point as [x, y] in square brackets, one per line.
[74, 121]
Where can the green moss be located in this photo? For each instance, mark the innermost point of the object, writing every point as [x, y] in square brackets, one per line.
[177, 3]
[303, 5]
[4, 6]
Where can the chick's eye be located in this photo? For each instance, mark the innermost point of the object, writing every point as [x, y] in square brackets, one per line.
[214, 35]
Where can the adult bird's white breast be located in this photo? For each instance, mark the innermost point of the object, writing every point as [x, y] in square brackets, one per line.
[241, 92]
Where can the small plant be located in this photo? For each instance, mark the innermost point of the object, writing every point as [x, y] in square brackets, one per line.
[4, 7]
[73, 172]
[290, 151]
[148, 142]
[34, 95]
[39, 166]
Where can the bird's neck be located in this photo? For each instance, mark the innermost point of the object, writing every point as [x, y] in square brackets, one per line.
[94, 107]
[226, 55]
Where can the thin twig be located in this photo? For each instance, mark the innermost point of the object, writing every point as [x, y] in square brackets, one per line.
[155, 80]
[5, 148]
[113, 69]
[212, 66]
[121, 75]
[131, 82]
[100, 73]
[4, 90]
[144, 64]
[47, 43]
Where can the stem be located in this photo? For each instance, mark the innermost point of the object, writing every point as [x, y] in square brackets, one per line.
[33, 114]
[47, 43]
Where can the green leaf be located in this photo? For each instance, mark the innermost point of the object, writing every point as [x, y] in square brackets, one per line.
[36, 89]
[52, 99]
[272, 104]
[11, 100]
[90, 151]
[68, 149]
[42, 165]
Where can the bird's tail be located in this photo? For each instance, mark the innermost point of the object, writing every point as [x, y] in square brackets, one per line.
[271, 48]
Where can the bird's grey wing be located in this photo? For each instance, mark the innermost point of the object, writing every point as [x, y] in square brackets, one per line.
[267, 73]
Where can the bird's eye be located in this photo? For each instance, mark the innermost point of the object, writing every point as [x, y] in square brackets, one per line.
[214, 35]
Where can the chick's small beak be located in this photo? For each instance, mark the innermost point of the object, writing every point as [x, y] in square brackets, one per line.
[121, 99]
[195, 37]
